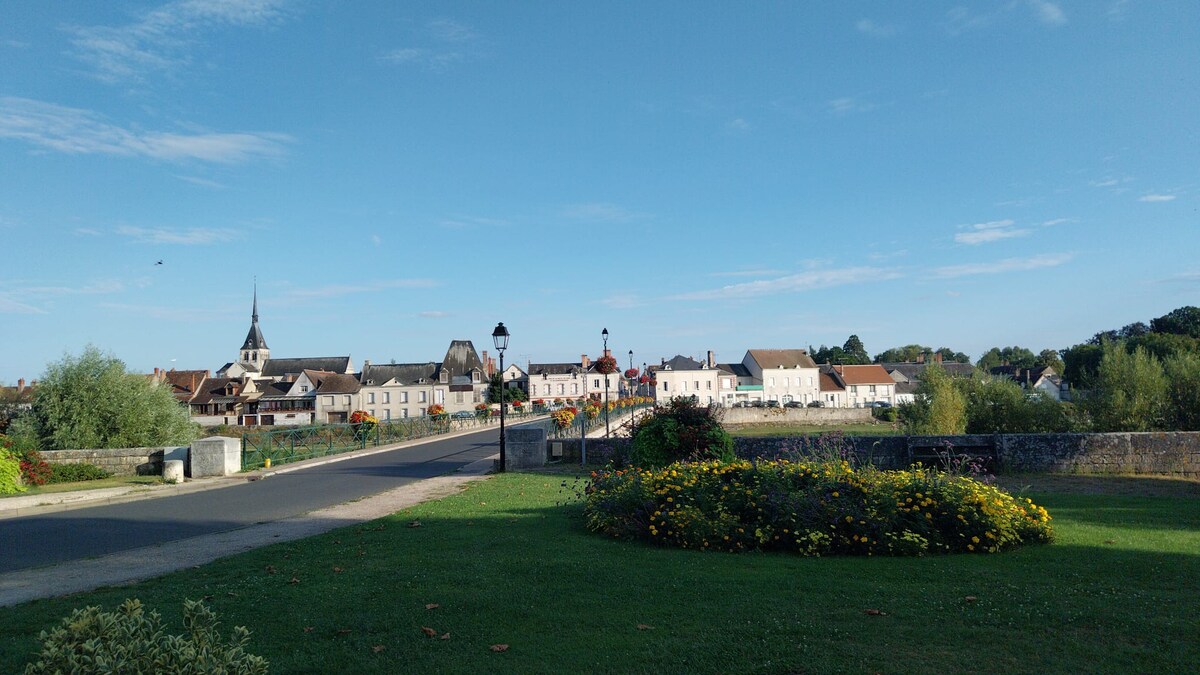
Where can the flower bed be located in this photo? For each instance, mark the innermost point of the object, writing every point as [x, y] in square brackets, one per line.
[811, 508]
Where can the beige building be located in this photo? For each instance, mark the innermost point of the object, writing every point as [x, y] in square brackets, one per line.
[706, 382]
[862, 384]
[785, 375]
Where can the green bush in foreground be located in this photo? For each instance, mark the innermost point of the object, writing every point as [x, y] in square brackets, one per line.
[10, 473]
[128, 641]
[680, 430]
[810, 508]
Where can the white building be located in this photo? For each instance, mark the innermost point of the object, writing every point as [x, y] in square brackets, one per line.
[785, 375]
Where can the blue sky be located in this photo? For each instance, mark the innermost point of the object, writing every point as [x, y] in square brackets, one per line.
[691, 176]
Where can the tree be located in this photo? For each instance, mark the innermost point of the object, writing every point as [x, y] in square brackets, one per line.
[1048, 358]
[950, 356]
[903, 354]
[1183, 391]
[1010, 356]
[1129, 392]
[834, 354]
[1182, 321]
[940, 407]
[90, 401]
[511, 394]
[1164, 345]
[855, 350]
[1080, 364]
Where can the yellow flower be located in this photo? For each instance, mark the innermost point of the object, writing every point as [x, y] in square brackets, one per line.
[835, 493]
[970, 547]
[849, 519]
[975, 539]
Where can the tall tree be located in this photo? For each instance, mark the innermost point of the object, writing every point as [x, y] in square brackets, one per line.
[1080, 364]
[855, 352]
[496, 385]
[1182, 321]
[1129, 392]
[1183, 391]
[1049, 358]
[1012, 356]
[905, 354]
[90, 401]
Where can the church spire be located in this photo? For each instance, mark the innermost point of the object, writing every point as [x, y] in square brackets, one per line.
[254, 349]
[254, 313]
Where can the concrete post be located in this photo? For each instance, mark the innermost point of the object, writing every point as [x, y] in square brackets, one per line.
[526, 448]
[215, 456]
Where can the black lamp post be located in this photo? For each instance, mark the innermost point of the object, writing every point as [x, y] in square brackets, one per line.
[604, 334]
[645, 374]
[500, 338]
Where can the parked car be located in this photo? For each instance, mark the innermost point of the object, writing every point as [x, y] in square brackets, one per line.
[463, 415]
[879, 404]
[816, 404]
[793, 404]
[772, 403]
[758, 404]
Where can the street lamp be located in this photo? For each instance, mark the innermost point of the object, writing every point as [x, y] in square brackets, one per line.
[500, 339]
[632, 380]
[604, 334]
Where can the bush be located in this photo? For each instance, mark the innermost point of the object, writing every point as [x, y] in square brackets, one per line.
[74, 473]
[10, 473]
[884, 414]
[680, 430]
[128, 641]
[810, 508]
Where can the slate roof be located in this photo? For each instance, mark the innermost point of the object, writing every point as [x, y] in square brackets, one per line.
[254, 339]
[682, 363]
[782, 358]
[285, 367]
[333, 383]
[461, 358]
[913, 370]
[555, 369]
[375, 375]
[738, 369]
[1023, 375]
[273, 388]
[211, 388]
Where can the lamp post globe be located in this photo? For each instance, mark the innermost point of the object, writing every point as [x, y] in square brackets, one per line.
[500, 340]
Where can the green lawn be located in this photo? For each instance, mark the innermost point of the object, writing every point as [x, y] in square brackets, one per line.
[788, 430]
[111, 482]
[507, 563]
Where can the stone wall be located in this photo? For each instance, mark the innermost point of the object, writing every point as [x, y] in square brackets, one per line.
[1165, 453]
[815, 416]
[119, 462]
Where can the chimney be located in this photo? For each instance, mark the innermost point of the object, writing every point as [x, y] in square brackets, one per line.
[367, 363]
[584, 361]
[710, 359]
[487, 365]
[921, 357]
[156, 371]
[608, 352]
[21, 385]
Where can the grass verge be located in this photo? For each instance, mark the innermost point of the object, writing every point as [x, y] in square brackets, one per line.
[786, 430]
[505, 563]
[111, 482]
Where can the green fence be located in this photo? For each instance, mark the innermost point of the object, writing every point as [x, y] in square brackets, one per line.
[574, 431]
[283, 445]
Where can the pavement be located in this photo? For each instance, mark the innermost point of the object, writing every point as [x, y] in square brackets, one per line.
[131, 566]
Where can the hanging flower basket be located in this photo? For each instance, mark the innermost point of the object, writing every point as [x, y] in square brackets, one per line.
[606, 365]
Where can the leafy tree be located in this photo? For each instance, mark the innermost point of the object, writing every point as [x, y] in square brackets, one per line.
[511, 394]
[855, 350]
[1164, 345]
[680, 430]
[1182, 321]
[1049, 358]
[1080, 364]
[950, 356]
[1013, 356]
[1183, 391]
[940, 407]
[903, 354]
[1129, 392]
[90, 401]
[997, 405]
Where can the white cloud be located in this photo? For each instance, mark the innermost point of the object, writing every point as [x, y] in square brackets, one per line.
[738, 124]
[164, 235]
[1156, 198]
[875, 29]
[88, 232]
[1059, 221]
[1048, 13]
[848, 104]
[83, 132]
[447, 30]
[161, 39]
[336, 290]
[984, 233]
[460, 222]
[794, 283]
[601, 212]
[433, 314]
[1002, 266]
[747, 273]
[196, 180]
[622, 301]
[10, 306]
[439, 35]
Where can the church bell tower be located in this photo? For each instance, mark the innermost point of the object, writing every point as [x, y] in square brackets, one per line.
[254, 350]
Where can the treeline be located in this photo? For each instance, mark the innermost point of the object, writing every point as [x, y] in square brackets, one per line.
[1138, 378]
[854, 353]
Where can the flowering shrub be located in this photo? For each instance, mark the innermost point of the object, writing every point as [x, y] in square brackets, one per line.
[34, 470]
[435, 410]
[563, 418]
[362, 417]
[631, 373]
[606, 365]
[10, 473]
[810, 508]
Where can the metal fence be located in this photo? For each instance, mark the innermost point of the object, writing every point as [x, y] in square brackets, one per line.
[283, 445]
[574, 431]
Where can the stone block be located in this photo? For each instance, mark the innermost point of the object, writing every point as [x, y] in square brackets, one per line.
[215, 456]
[173, 471]
[525, 448]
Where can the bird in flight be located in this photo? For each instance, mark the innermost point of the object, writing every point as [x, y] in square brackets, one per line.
[158, 263]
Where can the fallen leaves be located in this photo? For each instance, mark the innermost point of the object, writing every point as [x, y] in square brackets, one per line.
[429, 632]
[271, 569]
[432, 605]
[970, 598]
[342, 631]
[445, 636]
[338, 570]
[499, 648]
[309, 629]
[642, 626]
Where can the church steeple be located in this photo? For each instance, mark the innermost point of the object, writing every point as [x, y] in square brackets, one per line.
[254, 349]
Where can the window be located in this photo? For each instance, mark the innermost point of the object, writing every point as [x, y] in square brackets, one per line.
[387, 413]
[562, 389]
[546, 389]
[787, 382]
[346, 399]
[404, 398]
[664, 384]
[854, 389]
[872, 389]
[772, 382]
[387, 397]
[574, 388]
[708, 386]
[475, 376]
[596, 383]
[328, 400]
[697, 385]
[458, 397]
[403, 413]
[371, 412]
[421, 399]
[439, 396]
[371, 397]
[810, 381]
[304, 389]
[726, 383]
[685, 385]
[421, 412]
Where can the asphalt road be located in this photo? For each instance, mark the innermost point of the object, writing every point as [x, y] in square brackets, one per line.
[35, 541]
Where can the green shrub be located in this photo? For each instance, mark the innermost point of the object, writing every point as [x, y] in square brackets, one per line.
[128, 641]
[680, 430]
[10, 473]
[884, 414]
[73, 473]
[810, 508]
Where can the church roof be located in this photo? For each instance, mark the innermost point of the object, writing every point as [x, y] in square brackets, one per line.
[461, 358]
[254, 338]
[285, 367]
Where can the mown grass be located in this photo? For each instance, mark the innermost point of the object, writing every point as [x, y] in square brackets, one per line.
[110, 482]
[793, 430]
[508, 563]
